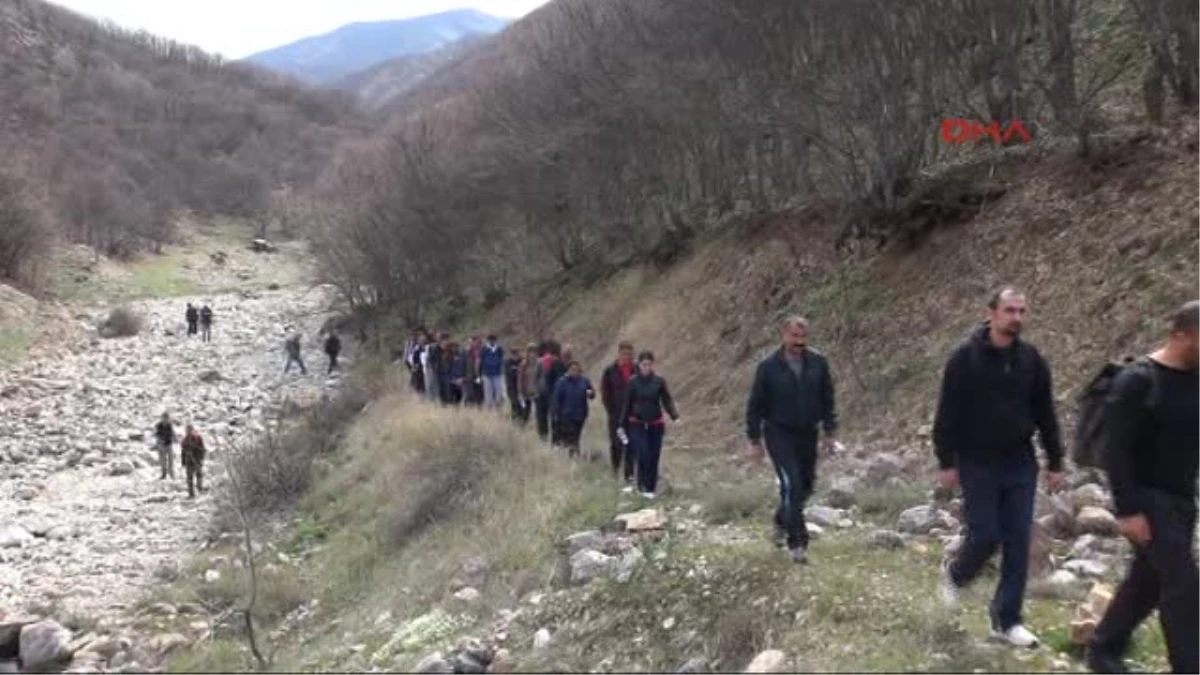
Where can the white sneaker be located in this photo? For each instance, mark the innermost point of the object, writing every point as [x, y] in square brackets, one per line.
[951, 593]
[628, 489]
[1017, 636]
[648, 495]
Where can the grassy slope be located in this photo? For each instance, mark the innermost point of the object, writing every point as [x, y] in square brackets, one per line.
[1104, 252]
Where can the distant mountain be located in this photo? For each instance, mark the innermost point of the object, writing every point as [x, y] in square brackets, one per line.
[381, 84]
[325, 59]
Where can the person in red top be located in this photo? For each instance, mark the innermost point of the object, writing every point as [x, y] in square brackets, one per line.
[613, 386]
[643, 422]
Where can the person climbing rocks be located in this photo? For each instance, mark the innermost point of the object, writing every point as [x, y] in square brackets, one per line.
[164, 443]
[791, 402]
[191, 454]
[206, 321]
[996, 392]
[333, 347]
[491, 372]
[1150, 439]
[613, 385]
[193, 318]
[569, 406]
[644, 423]
[292, 347]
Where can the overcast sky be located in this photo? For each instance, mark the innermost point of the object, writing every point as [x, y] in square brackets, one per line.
[238, 28]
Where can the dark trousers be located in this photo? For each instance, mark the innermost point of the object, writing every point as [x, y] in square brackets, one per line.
[191, 327]
[569, 432]
[622, 454]
[543, 417]
[520, 408]
[794, 454]
[998, 505]
[194, 466]
[646, 440]
[206, 331]
[417, 380]
[295, 358]
[1164, 577]
[333, 362]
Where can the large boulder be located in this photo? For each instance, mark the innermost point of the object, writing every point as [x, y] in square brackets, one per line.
[1096, 520]
[13, 536]
[579, 541]
[588, 565]
[1056, 516]
[43, 645]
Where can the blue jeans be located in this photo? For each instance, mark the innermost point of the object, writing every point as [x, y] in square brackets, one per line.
[646, 441]
[998, 504]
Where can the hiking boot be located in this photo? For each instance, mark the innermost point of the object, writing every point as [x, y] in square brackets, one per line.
[1016, 636]
[1102, 662]
[799, 555]
[951, 593]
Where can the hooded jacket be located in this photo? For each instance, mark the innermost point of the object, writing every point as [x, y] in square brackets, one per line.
[992, 402]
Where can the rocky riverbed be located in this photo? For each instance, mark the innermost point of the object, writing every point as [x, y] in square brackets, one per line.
[85, 522]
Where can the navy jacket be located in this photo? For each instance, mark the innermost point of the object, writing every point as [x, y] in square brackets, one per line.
[779, 399]
[491, 361]
[570, 399]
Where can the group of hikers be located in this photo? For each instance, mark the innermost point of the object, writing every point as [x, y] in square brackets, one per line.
[545, 382]
[200, 320]
[191, 453]
[1141, 426]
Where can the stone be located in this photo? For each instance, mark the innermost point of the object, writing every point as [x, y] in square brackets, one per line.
[885, 539]
[502, 662]
[1041, 547]
[1087, 568]
[467, 663]
[627, 564]
[43, 645]
[211, 377]
[883, 466]
[814, 531]
[1062, 580]
[641, 521]
[588, 565]
[1055, 516]
[61, 533]
[1088, 614]
[542, 639]
[167, 570]
[922, 519]
[579, 541]
[14, 536]
[25, 493]
[769, 661]
[433, 663]
[468, 595]
[843, 492]
[1084, 547]
[121, 467]
[1096, 520]
[694, 666]
[476, 649]
[166, 643]
[162, 609]
[823, 515]
[1089, 495]
[212, 576]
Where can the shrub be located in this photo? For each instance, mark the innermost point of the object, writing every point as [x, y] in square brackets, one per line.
[121, 322]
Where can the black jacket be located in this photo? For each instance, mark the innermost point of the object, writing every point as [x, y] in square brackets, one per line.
[612, 388]
[779, 399]
[645, 400]
[165, 433]
[333, 345]
[192, 315]
[991, 403]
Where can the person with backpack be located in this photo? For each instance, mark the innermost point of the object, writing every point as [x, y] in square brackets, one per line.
[191, 453]
[206, 321]
[491, 372]
[569, 406]
[193, 317]
[292, 347]
[644, 423]
[1149, 448]
[791, 403]
[613, 385]
[164, 443]
[996, 392]
[333, 347]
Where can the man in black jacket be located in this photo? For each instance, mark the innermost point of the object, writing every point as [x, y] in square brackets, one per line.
[791, 397]
[1151, 435]
[996, 391]
[613, 386]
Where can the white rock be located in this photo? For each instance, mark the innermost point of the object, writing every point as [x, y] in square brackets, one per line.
[44, 644]
[769, 661]
[823, 515]
[542, 639]
[212, 576]
[468, 595]
[1087, 568]
[1095, 520]
[13, 536]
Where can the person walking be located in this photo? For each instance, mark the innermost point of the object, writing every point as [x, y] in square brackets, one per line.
[453, 374]
[206, 321]
[527, 382]
[164, 443]
[1149, 450]
[292, 347]
[548, 363]
[996, 392]
[613, 385]
[432, 360]
[491, 371]
[569, 406]
[644, 423]
[193, 318]
[512, 384]
[416, 364]
[333, 347]
[791, 401]
[191, 453]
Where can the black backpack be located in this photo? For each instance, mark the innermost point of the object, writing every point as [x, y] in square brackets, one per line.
[1089, 432]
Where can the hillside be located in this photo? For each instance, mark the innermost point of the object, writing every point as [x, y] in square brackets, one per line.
[327, 58]
[110, 135]
[382, 84]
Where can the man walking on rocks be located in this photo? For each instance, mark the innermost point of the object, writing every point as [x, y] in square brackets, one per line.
[191, 452]
[193, 318]
[996, 391]
[333, 347]
[164, 438]
[1151, 435]
[292, 346]
[614, 384]
[206, 319]
[791, 401]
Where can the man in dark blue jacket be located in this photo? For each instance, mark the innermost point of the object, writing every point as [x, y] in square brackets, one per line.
[792, 397]
[491, 370]
[996, 392]
[569, 406]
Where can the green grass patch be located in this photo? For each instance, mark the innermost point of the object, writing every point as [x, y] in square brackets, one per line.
[14, 344]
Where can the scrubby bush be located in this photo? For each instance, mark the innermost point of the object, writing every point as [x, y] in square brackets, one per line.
[121, 322]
